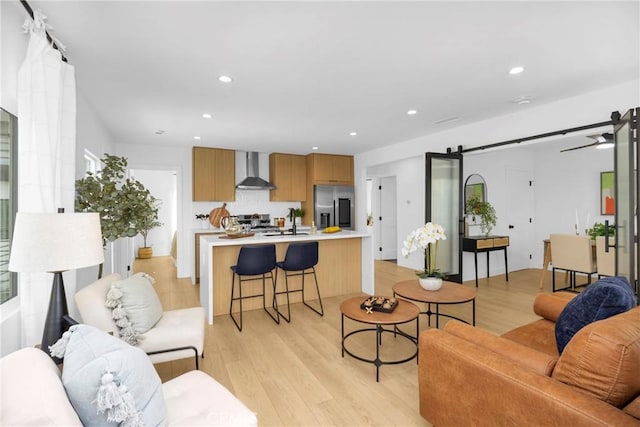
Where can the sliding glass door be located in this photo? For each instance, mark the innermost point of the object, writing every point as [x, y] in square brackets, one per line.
[626, 188]
[443, 203]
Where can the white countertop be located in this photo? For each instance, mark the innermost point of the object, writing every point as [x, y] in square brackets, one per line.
[215, 240]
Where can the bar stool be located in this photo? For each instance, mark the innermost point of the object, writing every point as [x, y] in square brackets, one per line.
[300, 260]
[256, 260]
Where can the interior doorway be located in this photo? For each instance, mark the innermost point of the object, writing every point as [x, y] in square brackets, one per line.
[387, 219]
[163, 186]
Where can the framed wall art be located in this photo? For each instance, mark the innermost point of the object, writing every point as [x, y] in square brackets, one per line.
[607, 193]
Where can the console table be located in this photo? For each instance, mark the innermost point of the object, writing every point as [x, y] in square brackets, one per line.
[486, 244]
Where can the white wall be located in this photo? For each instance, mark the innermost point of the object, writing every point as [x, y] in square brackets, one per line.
[588, 108]
[93, 136]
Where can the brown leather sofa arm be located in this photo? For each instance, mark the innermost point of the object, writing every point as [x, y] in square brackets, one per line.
[549, 306]
[537, 361]
[497, 391]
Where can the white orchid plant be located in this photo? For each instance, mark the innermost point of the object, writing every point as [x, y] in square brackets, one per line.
[426, 239]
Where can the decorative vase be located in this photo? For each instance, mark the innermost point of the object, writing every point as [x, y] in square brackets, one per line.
[430, 283]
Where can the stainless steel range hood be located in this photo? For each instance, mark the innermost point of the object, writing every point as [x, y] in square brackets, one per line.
[253, 180]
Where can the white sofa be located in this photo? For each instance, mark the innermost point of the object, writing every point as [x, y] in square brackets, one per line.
[32, 394]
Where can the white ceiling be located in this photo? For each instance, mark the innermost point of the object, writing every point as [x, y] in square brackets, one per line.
[309, 73]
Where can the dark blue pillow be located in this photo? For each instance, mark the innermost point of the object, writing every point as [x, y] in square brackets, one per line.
[606, 297]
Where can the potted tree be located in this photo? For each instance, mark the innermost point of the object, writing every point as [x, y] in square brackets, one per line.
[484, 210]
[144, 215]
[124, 204]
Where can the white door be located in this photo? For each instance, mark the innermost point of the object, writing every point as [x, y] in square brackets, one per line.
[519, 218]
[388, 246]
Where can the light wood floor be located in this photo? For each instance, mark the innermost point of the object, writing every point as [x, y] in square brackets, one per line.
[293, 374]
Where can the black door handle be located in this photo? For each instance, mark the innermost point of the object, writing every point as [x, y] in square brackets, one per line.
[511, 226]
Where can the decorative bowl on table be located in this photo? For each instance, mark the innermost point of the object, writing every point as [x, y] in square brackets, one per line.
[378, 303]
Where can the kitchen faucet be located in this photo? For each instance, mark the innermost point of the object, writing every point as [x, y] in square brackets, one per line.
[292, 217]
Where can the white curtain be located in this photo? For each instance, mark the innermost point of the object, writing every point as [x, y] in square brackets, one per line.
[46, 158]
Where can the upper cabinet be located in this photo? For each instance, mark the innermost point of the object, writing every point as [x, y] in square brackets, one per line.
[331, 169]
[214, 174]
[288, 172]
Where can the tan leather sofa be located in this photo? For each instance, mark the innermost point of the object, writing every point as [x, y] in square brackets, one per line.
[468, 376]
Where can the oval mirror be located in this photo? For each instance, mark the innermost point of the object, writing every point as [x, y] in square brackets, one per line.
[475, 186]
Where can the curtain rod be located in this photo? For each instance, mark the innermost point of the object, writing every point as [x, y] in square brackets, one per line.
[614, 118]
[53, 43]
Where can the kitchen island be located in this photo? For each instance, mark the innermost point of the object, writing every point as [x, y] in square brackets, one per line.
[345, 266]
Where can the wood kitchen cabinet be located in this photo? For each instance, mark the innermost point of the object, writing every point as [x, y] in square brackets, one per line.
[330, 169]
[214, 174]
[288, 172]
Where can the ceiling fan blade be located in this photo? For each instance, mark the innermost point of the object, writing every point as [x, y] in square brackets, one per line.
[582, 146]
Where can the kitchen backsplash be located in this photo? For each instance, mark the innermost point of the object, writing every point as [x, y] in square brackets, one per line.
[247, 202]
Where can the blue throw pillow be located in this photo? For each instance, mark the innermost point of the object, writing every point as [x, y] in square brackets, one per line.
[605, 298]
[108, 381]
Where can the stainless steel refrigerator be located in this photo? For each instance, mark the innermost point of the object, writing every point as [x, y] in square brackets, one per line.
[334, 205]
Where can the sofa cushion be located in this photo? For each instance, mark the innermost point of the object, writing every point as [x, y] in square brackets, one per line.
[90, 301]
[90, 354]
[195, 397]
[136, 306]
[605, 298]
[603, 359]
[32, 393]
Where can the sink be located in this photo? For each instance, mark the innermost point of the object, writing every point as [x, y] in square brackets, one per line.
[286, 233]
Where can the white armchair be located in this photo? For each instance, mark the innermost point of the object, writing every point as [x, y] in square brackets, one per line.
[178, 335]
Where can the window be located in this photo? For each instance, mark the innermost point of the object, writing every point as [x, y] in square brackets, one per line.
[91, 162]
[8, 200]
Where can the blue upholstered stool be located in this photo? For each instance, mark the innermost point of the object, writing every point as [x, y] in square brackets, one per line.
[300, 260]
[256, 260]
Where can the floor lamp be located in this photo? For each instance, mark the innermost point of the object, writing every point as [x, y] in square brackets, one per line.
[54, 243]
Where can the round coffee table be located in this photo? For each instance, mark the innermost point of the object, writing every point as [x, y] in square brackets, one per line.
[449, 293]
[404, 312]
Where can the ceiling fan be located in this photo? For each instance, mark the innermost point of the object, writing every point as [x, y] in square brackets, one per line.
[604, 140]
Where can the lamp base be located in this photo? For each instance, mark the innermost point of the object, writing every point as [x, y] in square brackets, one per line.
[55, 324]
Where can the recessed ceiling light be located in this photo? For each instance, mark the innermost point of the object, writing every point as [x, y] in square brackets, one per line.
[412, 112]
[159, 132]
[447, 120]
[604, 145]
[225, 79]
[196, 137]
[523, 100]
[207, 115]
[353, 133]
[314, 148]
[516, 70]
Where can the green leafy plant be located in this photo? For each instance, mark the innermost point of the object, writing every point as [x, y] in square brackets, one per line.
[598, 230]
[125, 206]
[484, 210]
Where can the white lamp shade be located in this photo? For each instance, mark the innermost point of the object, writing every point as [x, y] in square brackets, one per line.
[55, 242]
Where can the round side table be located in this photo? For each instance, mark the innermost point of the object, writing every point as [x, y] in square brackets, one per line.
[405, 312]
[449, 293]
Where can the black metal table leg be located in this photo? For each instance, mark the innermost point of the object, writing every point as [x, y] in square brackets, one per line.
[475, 256]
[506, 264]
